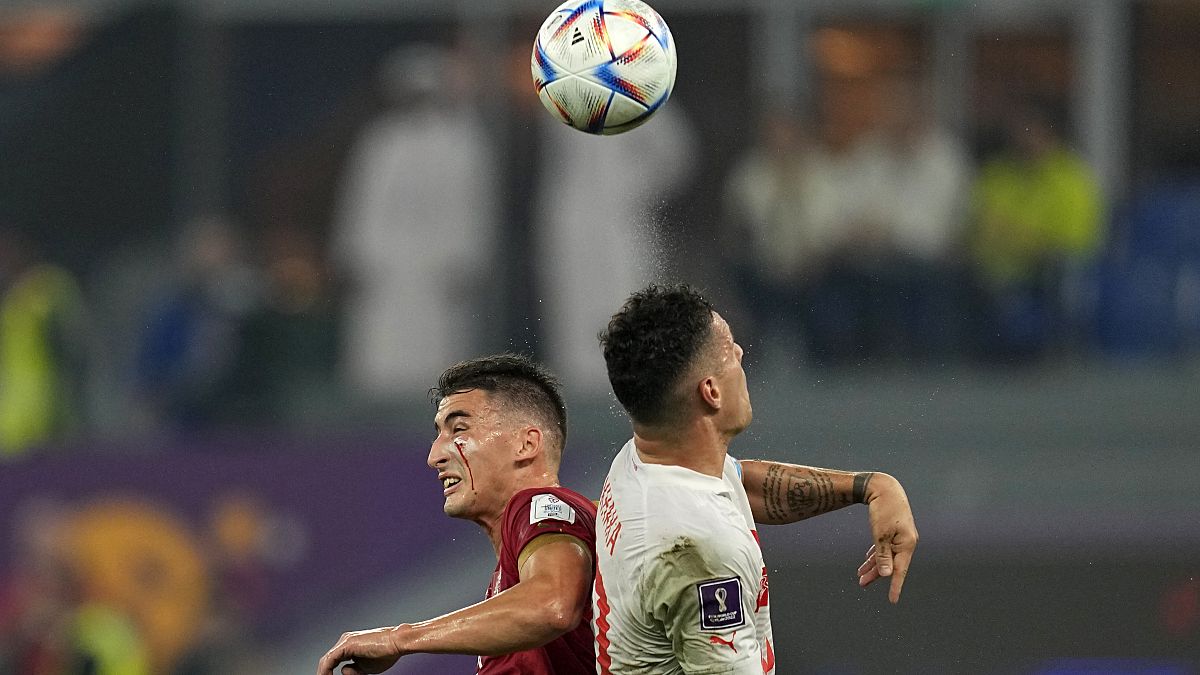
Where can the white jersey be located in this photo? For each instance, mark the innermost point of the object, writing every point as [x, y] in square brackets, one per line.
[680, 582]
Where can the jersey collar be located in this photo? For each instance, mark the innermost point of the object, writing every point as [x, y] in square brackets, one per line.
[674, 474]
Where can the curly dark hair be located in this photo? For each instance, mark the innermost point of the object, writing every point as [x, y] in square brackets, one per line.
[516, 381]
[651, 343]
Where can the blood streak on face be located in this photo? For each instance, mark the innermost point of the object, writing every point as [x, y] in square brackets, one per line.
[458, 445]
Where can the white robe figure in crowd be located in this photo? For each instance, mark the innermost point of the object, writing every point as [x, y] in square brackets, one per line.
[917, 177]
[414, 229]
[598, 226]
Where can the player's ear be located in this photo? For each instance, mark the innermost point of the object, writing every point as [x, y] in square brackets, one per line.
[710, 393]
[531, 443]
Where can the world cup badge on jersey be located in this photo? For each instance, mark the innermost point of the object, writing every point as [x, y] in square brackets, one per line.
[721, 604]
[549, 507]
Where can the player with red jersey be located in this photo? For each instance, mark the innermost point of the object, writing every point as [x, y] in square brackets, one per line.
[545, 513]
[501, 427]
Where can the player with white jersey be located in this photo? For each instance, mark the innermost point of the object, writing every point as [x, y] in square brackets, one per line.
[694, 575]
[680, 584]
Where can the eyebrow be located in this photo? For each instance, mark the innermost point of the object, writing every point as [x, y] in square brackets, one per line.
[450, 416]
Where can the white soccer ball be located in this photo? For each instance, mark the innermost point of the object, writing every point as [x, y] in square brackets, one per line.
[604, 66]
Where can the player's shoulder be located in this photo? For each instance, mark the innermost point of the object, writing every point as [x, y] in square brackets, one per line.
[686, 516]
[550, 502]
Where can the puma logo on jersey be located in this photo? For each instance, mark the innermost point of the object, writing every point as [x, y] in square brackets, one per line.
[718, 640]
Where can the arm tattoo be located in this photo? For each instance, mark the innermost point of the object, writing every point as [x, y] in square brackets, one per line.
[793, 493]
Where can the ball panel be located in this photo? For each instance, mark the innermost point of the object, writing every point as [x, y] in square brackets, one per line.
[581, 103]
[632, 124]
[622, 111]
[644, 15]
[544, 70]
[552, 104]
[637, 73]
[575, 43]
[623, 32]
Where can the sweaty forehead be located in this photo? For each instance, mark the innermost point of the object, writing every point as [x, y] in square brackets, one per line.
[721, 332]
[476, 403]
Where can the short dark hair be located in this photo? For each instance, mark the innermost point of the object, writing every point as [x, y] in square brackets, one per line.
[516, 380]
[651, 343]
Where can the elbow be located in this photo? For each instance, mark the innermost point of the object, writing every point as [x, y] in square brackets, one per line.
[561, 616]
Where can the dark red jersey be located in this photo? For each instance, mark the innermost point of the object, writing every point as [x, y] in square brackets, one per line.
[529, 514]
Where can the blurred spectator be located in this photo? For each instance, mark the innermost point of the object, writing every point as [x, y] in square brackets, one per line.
[192, 335]
[415, 227]
[846, 231]
[887, 287]
[919, 202]
[1148, 295]
[1038, 216]
[285, 369]
[774, 203]
[41, 324]
[927, 170]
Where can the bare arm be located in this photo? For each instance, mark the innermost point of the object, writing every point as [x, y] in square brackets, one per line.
[555, 588]
[786, 493]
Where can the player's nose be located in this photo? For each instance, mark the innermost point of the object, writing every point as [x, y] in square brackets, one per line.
[437, 455]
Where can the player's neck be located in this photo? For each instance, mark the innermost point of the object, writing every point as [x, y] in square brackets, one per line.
[491, 527]
[492, 522]
[696, 446]
[542, 476]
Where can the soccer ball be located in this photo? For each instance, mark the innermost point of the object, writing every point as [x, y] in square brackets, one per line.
[603, 66]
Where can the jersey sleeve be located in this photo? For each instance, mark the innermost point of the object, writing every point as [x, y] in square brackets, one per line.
[535, 513]
[704, 607]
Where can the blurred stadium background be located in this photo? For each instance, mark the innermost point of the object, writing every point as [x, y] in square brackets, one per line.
[239, 239]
